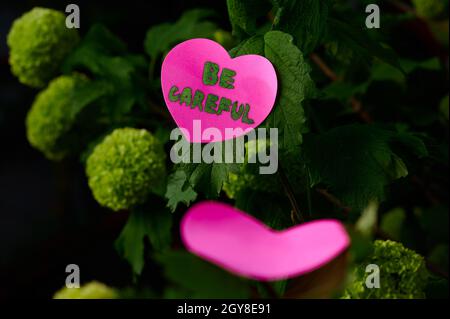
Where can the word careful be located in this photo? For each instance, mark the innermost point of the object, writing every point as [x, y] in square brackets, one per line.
[211, 103]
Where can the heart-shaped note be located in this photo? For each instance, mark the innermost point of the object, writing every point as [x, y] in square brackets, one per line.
[204, 89]
[245, 246]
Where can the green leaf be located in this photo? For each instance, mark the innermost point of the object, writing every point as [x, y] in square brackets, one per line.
[380, 71]
[194, 278]
[439, 256]
[107, 59]
[295, 85]
[98, 44]
[152, 223]
[392, 223]
[357, 162]
[343, 91]
[179, 190]
[360, 43]
[306, 20]
[409, 66]
[362, 246]
[206, 178]
[277, 287]
[244, 15]
[386, 72]
[367, 223]
[253, 45]
[159, 39]
[272, 209]
[87, 94]
[209, 178]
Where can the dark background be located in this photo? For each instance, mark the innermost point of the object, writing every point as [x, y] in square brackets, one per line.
[48, 218]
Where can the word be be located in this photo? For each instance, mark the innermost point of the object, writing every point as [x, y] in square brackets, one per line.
[211, 103]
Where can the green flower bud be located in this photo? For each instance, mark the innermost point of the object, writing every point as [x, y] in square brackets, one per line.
[39, 41]
[125, 168]
[52, 115]
[430, 8]
[92, 290]
[247, 180]
[403, 274]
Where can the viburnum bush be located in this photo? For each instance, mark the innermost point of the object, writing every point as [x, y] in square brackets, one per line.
[363, 138]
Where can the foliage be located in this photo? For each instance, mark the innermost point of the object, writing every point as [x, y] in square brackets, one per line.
[156, 226]
[362, 116]
[308, 31]
[294, 80]
[192, 24]
[199, 279]
[402, 274]
[38, 42]
[369, 155]
[430, 8]
[106, 57]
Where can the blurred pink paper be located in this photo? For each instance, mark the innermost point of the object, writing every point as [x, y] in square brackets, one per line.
[245, 246]
[255, 83]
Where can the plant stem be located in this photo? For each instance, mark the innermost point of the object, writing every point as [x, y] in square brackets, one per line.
[308, 190]
[270, 291]
[324, 67]
[333, 200]
[296, 215]
[160, 111]
[354, 103]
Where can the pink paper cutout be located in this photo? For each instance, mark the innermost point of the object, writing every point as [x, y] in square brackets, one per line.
[255, 84]
[245, 246]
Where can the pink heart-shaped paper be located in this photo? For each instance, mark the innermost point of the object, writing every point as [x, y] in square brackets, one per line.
[255, 85]
[245, 246]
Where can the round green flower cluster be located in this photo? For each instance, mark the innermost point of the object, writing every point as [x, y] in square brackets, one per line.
[125, 167]
[52, 115]
[39, 41]
[92, 290]
[430, 8]
[403, 274]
